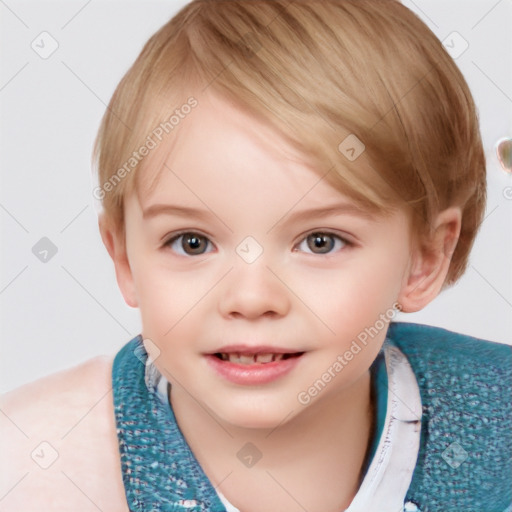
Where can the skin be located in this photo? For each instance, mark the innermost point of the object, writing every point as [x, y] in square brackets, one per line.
[78, 467]
[247, 181]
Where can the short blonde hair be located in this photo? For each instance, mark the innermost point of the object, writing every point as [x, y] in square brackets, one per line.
[319, 72]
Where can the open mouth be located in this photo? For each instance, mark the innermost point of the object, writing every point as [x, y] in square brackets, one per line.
[239, 358]
[253, 367]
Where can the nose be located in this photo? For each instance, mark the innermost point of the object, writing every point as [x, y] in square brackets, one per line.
[252, 291]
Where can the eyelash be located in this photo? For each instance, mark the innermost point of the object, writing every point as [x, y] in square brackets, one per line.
[177, 236]
[346, 243]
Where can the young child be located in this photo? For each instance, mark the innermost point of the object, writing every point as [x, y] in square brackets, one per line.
[278, 179]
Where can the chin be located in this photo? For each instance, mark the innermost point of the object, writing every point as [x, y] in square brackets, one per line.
[254, 418]
[256, 422]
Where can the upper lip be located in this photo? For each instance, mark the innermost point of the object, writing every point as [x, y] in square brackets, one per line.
[257, 349]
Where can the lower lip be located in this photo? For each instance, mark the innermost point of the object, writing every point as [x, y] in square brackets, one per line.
[252, 374]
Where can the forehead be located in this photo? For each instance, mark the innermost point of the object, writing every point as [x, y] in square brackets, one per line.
[224, 167]
[220, 148]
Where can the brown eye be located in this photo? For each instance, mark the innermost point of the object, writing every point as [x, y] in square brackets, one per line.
[322, 243]
[189, 244]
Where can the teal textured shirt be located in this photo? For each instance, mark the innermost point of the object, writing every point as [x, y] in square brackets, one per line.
[464, 461]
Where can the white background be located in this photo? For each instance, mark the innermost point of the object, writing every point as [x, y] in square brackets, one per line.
[62, 312]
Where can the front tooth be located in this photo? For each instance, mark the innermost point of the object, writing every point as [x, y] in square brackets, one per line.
[234, 358]
[241, 359]
[251, 359]
[264, 358]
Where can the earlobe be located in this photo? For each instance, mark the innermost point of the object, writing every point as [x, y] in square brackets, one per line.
[115, 244]
[430, 263]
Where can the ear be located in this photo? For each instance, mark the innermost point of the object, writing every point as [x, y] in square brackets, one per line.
[430, 262]
[115, 243]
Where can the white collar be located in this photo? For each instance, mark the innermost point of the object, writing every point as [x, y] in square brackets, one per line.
[390, 473]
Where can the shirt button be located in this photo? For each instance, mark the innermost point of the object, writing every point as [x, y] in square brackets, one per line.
[411, 507]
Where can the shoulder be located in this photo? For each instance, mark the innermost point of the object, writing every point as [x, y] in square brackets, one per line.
[475, 374]
[59, 443]
[465, 385]
[418, 339]
[439, 353]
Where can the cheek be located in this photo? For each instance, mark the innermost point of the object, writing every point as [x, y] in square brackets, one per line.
[170, 303]
[353, 297]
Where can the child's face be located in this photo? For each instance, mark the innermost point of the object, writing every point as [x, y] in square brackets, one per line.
[311, 294]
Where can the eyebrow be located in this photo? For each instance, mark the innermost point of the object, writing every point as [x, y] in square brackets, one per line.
[326, 211]
[179, 211]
